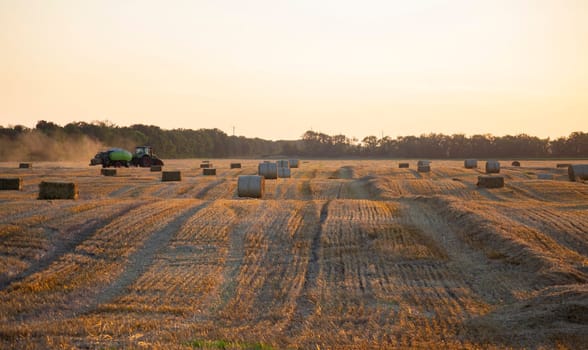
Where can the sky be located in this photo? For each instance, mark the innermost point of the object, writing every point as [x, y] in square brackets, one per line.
[274, 69]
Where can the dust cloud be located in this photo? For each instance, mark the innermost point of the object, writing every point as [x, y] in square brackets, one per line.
[36, 146]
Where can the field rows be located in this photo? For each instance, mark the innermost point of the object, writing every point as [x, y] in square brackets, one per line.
[345, 254]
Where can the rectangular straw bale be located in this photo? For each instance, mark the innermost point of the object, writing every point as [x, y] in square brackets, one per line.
[171, 176]
[209, 171]
[11, 183]
[235, 165]
[58, 190]
[108, 172]
[25, 165]
[403, 165]
[563, 165]
[490, 181]
[156, 168]
[205, 165]
[424, 168]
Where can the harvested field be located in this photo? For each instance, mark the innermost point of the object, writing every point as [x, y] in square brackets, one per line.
[344, 254]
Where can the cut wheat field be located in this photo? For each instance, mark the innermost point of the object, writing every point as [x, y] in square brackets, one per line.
[345, 254]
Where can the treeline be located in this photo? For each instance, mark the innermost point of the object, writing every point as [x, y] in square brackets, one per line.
[43, 143]
[448, 146]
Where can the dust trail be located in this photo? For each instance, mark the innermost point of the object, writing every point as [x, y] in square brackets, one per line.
[36, 146]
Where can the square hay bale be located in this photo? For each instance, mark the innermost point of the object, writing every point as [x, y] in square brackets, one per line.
[209, 171]
[424, 168]
[490, 181]
[156, 168]
[294, 163]
[25, 165]
[108, 172]
[58, 190]
[206, 161]
[403, 165]
[235, 165]
[563, 165]
[171, 176]
[205, 165]
[11, 184]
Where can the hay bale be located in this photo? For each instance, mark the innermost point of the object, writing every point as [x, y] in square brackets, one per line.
[25, 165]
[209, 171]
[268, 170]
[252, 186]
[283, 163]
[423, 163]
[235, 165]
[206, 161]
[171, 176]
[205, 165]
[108, 172]
[58, 190]
[293, 163]
[284, 172]
[156, 168]
[516, 163]
[403, 165]
[490, 181]
[578, 171]
[492, 167]
[8, 184]
[563, 165]
[424, 168]
[470, 163]
[545, 176]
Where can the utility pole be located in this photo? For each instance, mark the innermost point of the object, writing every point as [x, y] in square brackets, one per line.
[233, 130]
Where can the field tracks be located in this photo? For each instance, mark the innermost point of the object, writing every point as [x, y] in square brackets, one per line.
[306, 300]
[140, 260]
[76, 235]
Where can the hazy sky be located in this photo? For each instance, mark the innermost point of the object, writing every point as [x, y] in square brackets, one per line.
[274, 69]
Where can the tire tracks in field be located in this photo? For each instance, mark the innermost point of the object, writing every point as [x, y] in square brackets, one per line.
[62, 247]
[203, 192]
[304, 304]
[482, 277]
[140, 261]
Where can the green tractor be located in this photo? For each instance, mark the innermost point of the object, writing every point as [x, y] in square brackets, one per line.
[144, 157]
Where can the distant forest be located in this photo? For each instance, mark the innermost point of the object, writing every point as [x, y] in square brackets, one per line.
[33, 144]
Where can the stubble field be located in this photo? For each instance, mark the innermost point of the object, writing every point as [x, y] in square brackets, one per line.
[345, 254]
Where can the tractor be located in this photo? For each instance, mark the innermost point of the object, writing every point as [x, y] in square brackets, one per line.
[144, 157]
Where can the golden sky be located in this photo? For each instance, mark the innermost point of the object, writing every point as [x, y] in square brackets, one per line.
[274, 69]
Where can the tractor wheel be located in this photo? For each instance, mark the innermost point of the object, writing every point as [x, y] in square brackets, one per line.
[145, 161]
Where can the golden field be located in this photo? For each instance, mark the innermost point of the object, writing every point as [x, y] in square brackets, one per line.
[345, 254]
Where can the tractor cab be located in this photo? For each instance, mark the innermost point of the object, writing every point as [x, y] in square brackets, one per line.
[144, 157]
[143, 150]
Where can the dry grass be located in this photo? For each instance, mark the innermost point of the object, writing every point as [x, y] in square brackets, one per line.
[344, 254]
